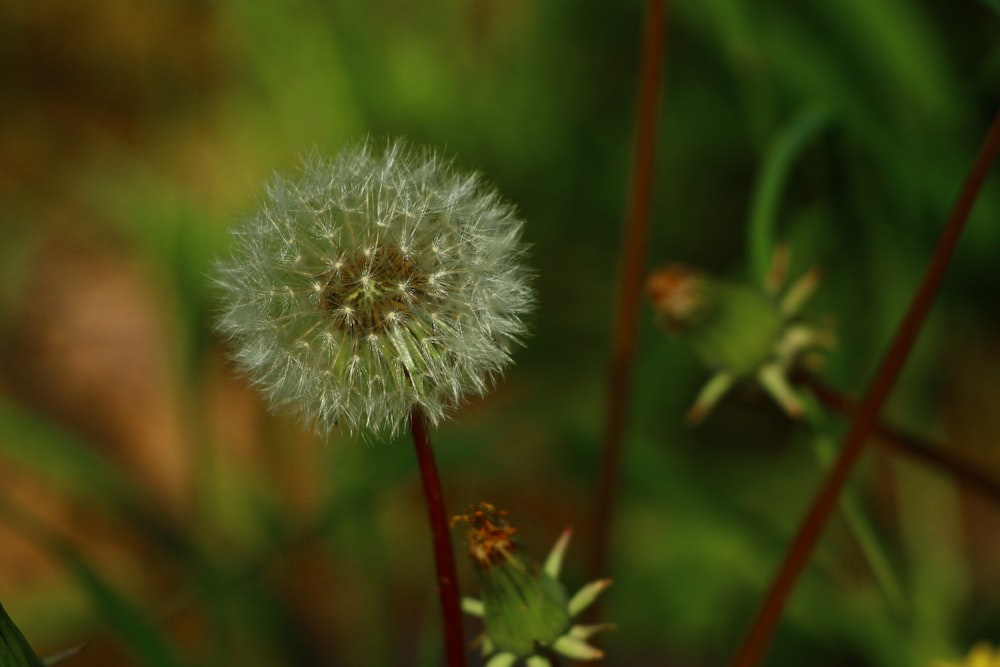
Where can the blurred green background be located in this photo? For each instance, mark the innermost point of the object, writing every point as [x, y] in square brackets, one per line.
[151, 507]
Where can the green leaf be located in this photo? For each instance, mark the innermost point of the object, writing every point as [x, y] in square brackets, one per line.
[14, 648]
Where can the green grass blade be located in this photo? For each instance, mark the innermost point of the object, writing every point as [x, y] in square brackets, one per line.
[14, 648]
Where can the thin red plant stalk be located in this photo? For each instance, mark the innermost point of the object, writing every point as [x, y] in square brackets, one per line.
[633, 260]
[865, 419]
[444, 557]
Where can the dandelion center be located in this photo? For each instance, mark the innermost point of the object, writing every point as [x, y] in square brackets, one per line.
[372, 290]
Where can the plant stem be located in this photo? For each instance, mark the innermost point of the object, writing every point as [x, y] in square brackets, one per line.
[936, 455]
[444, 558]
[759, 638]
[632, 270]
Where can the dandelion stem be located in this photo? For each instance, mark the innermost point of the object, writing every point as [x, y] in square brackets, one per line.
[444, 558]
[866, 417]
[633, 263]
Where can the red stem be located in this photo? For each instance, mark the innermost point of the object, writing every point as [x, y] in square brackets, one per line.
[632, 268]
[444, 558]
[759, 638]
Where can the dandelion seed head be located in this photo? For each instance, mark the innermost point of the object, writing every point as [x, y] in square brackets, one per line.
[374, 282]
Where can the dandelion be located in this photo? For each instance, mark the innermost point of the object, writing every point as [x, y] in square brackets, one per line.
[527, 612]
[374, 282]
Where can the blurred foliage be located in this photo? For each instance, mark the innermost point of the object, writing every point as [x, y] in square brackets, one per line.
[149, 506]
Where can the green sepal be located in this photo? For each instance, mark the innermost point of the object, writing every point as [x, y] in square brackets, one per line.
[525, 607]
[738, 332]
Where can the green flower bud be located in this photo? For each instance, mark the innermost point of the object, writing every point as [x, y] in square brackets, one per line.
[739, 331]
[526, 611]
[730, 326]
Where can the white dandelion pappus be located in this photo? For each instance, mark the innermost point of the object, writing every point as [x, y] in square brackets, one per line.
[372, 283]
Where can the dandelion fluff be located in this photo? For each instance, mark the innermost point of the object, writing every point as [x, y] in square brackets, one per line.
[372, 283]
